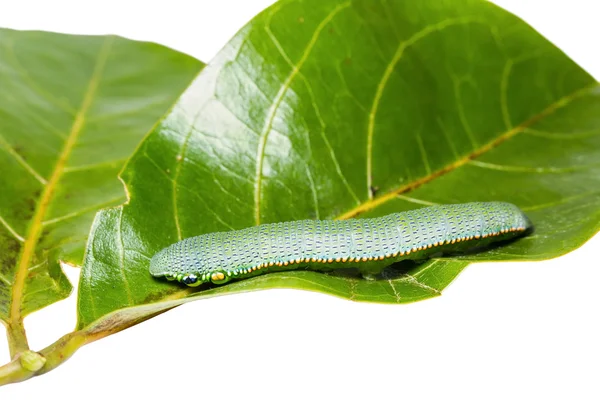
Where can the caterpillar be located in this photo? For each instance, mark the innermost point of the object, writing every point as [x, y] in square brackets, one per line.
[370, 244]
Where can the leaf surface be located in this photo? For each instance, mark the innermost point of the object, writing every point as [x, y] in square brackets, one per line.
[72, 110]
[358, 108]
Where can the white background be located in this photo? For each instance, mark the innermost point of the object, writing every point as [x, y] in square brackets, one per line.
[502, 330]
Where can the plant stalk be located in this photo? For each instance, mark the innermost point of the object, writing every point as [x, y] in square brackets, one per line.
[17, 338]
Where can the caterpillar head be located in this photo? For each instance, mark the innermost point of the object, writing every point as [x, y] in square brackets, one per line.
[193, 280]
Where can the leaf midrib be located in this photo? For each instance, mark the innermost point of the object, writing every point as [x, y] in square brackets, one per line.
[35, 230]
[558, 104]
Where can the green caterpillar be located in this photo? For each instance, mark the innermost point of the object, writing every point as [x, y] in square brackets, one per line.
[370, 243]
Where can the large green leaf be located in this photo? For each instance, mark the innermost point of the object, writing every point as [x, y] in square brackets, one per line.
[353, 108]
[72, 110]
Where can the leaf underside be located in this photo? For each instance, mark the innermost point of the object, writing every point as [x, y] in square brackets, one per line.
[356, 108]
[72, 110]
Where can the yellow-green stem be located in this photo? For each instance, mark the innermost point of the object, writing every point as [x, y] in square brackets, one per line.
[17, 339]
[61, 350]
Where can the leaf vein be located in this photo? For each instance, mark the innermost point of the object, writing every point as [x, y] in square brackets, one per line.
[88, 167]
[423, 153]
[536, 170]
[416, 201]
[336, 164]
[562, 135]
[461, 112]
[213, 212]
[5, 279]
[561, 201]
[6, 146]
[396, 294]
[414, 281]
[77, 213]
[11, 230]
[277, 102]
[384, 81]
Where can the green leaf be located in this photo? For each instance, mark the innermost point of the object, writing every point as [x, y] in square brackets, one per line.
[72, 110]
[356, 108]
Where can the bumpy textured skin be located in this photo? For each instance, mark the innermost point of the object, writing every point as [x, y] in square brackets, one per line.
[370, 243]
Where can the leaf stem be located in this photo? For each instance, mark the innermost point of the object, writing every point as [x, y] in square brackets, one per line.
[17, 338]
[14, 372]
[19, 369]
[55, 354]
